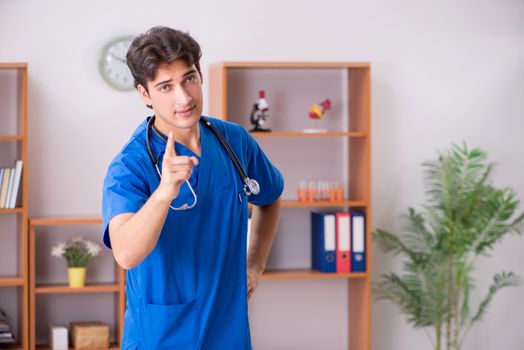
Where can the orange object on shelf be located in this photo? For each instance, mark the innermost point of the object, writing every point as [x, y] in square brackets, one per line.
[311, 194]
[333, 194]
[340, 194]
[302, 194]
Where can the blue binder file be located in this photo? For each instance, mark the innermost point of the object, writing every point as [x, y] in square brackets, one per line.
[323, 247]
[358, 242]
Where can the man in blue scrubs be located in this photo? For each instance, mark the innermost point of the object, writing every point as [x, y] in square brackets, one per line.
[188, 275]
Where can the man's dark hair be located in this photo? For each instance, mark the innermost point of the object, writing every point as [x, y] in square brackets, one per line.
[157, 47]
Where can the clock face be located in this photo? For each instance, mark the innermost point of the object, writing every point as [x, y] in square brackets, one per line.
[113, 65]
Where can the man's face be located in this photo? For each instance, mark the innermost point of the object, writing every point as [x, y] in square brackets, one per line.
[176, 96]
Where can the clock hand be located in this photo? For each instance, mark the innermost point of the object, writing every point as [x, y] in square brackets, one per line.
[119, 59]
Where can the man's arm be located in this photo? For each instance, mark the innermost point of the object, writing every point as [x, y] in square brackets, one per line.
[263, 231]
[134, 236]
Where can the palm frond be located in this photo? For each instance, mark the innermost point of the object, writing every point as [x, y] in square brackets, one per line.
[477, 193]
[494, 219]
[391, 243]
[406, 294]
[500, 280]
[417, 238]
[456, 179]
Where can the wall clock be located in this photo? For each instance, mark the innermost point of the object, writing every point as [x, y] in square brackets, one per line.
[113, 66]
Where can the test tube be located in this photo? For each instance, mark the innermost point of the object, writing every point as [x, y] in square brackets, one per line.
[302, 191]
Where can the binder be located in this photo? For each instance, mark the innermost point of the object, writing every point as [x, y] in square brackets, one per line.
[323, 243]
[343, 242]
[358, 244]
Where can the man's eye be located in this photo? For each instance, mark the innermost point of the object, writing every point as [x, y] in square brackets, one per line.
[191, 78]
[165, 88]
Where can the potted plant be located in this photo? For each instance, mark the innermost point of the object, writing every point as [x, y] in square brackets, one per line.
[77, 252]
[465, 216]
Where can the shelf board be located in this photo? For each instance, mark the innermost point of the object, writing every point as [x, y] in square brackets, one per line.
[316, 204]
[356, 134]
[13, 65]
[89, 288]
[308, 274]
[11, 138]
[111, 347]
[57, 221]
[11, 211]
[293, 65]
[11, 281]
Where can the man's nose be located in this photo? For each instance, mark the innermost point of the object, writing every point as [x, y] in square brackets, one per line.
[182, 96]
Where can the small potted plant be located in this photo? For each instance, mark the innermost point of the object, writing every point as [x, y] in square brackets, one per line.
[77, 252]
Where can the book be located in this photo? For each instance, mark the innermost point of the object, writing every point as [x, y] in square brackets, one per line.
[15, 196]
[4, 187]
[10, 189]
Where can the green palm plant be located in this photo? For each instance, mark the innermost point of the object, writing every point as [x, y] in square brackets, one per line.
[463, 219]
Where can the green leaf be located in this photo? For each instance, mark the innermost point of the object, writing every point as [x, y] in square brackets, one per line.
[500, 280]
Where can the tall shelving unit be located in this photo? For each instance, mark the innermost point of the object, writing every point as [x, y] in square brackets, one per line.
[47, 226]
[233, 84]
[13, 145]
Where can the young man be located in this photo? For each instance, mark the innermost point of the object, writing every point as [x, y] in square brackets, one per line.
[179, 226]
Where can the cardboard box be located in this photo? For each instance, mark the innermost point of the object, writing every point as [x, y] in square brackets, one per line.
[58, 338]
[89, 335]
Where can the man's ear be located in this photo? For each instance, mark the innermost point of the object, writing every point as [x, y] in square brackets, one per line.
[145, 95]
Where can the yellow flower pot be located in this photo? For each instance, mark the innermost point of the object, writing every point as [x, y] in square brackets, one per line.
[77, 277]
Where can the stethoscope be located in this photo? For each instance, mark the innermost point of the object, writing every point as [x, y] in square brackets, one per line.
[251, 186]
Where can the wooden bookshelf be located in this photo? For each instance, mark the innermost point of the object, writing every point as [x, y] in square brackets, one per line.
[15, 76]
[233, 102]
[117, 287]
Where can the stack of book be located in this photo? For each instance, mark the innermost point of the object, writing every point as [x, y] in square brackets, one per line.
[338, 241]
[6, 334]
[10, 186]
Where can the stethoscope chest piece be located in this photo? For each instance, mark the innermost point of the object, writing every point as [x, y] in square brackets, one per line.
[251, 187]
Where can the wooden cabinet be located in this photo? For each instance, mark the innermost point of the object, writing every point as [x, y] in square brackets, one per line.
[342, 152]
[51, 299]
[13, 222]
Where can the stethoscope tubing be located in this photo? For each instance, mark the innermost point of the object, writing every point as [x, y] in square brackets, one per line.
[250, 185]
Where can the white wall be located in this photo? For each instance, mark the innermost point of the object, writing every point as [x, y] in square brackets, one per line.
[443, 71]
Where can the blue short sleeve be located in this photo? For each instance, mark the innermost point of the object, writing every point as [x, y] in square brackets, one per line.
[261, 169]
[125, 190]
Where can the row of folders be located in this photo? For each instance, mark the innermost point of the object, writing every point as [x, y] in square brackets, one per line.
[10, 182]
[338, 241]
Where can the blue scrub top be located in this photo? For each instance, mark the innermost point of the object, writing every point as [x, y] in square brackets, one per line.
[191, 291]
